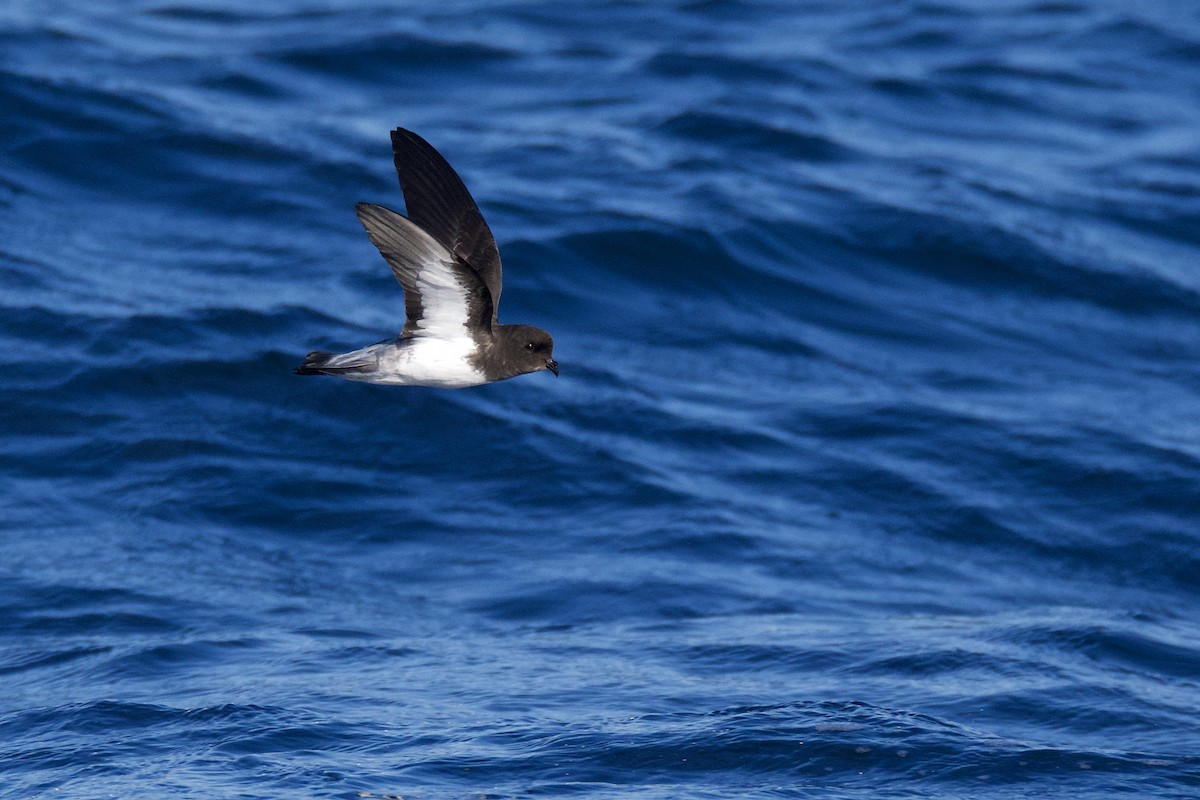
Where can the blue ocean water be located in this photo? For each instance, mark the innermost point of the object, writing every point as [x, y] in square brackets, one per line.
[873, 469]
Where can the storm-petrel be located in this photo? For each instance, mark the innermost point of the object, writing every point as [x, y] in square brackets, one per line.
[444, 256]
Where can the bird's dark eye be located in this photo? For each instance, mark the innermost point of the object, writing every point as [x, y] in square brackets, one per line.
[529, 345]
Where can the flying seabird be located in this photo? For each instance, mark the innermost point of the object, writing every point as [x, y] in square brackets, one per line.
[445, 258]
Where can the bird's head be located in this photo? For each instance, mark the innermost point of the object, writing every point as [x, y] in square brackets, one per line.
[527, 349]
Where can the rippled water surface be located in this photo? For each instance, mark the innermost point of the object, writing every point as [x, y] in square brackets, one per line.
[873, 469]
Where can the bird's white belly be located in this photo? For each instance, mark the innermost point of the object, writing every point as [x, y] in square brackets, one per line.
[429, 361]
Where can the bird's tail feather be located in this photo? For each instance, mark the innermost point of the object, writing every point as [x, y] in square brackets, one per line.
[313, 363]
[319, 362]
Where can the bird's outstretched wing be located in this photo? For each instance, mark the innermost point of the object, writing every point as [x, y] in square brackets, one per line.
[443, 296]
[438, 202]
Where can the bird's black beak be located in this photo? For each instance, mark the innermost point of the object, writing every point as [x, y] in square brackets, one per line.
[552, 365]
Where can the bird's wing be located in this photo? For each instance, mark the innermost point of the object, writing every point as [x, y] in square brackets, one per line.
[443, 296]
[438, 201]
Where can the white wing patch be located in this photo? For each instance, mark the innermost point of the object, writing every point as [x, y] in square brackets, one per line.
[444, 309]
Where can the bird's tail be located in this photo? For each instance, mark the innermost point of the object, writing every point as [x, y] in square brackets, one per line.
[313, 363]
[318, 362]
